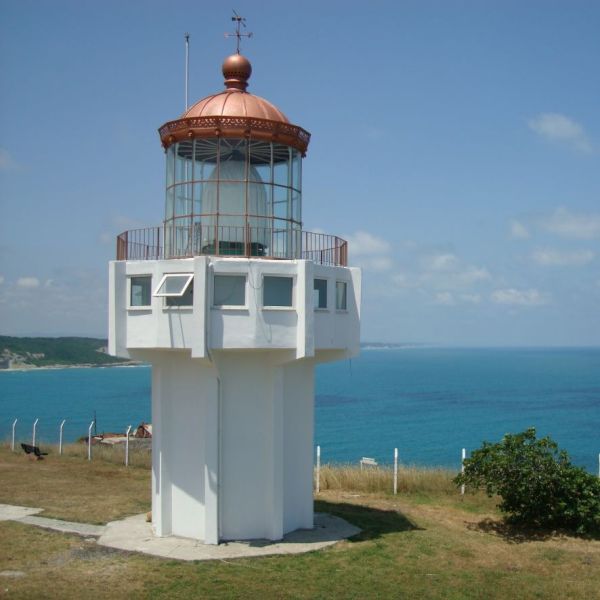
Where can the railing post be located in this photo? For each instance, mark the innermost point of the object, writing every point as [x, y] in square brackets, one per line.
[12, 445]
[90, 440]
[34, 432]
[127, 446]
[60, 438]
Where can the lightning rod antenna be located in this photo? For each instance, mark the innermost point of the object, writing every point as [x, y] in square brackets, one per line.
[187, 67]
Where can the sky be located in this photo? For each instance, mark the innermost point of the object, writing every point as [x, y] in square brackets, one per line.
[455, 145]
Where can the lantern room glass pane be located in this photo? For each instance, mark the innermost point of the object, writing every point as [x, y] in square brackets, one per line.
[171, 165]
[232, 196]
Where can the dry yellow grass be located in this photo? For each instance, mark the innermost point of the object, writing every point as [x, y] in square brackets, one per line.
[69, 487]
[380, 479]
[418, 544]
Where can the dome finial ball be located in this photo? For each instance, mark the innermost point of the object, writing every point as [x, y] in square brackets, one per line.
[237, 70]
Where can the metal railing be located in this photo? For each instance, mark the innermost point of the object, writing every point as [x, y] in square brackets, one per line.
[183, 241]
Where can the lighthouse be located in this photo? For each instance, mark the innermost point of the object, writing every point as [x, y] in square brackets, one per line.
[233, 305]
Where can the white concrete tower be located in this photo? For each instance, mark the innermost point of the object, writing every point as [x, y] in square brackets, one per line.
[233, 305]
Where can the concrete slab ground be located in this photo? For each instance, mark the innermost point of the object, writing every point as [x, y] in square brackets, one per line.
[8, 512]
[135, 535]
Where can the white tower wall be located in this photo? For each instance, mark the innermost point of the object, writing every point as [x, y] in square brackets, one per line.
[233, 392]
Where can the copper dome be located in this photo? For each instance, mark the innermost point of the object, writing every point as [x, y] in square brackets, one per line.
[235, 113]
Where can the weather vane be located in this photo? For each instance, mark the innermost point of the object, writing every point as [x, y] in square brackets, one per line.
[240, 22]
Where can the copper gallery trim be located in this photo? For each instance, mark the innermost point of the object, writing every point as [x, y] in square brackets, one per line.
[234, 127]
[149, 244]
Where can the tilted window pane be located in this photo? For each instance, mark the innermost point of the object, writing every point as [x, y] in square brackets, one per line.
[320, 293]
[340, 295]
[186, 300]
[229, 290]
[140, 288]
[174, 284]
[277, 291]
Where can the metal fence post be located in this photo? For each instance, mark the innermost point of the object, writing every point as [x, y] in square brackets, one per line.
[60, 438]
[90, 440]
[318, 474]
[34, 431]
[395, 471]
[127, 446]
[462, 470]
[12, 445]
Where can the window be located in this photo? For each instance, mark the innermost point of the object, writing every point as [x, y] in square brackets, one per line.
[186, 299]
[277, 291]
[176, 289]
[320, 293]
[341, 289]
[140, 291]
[229, 290]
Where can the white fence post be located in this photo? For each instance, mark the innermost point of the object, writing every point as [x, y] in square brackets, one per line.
[462, 470]
[12, 445]
[60, 437]
[34, 431]
[318, 474]
[90, 440]
[395, 471]
[127, 447]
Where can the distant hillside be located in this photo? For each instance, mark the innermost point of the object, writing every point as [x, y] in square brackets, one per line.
[23, 352]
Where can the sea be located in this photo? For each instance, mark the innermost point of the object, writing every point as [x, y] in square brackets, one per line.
[427, 402]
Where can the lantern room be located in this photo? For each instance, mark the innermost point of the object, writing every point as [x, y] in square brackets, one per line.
[234, 175]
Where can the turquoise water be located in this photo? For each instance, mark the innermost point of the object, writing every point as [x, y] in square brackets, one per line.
[428, 402]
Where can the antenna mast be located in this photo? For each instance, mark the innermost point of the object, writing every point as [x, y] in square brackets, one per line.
[187, 67]
[239, 23]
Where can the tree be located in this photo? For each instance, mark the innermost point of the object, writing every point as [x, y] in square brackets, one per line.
[537, 483]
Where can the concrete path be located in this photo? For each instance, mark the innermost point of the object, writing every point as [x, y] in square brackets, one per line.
[26, 515]
[135, 535]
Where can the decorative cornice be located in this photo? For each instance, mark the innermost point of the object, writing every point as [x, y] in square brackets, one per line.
[234, 127]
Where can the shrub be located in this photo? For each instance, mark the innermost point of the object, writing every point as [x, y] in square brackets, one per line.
[537, 483]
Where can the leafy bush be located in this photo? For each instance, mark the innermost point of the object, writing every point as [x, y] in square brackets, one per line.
[538, 484]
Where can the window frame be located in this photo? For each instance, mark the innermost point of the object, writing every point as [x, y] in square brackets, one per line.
[156, 294]
[144, 307]
[229, 306]
[288, 307]
[345, 297]
[326, 307]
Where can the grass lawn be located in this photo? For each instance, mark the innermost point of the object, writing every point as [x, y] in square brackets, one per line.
[415, 545]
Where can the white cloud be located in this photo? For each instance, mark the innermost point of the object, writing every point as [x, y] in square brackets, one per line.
[6, 160]
[28, 282]
[555, 258]
[471, 298]
[518, 230]
[369, 251]
[560, 128]
[402, 280]
[1, 279]
[444, 298]
[364, 243]
[440, 262]
[511, 296]
[564, 223]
